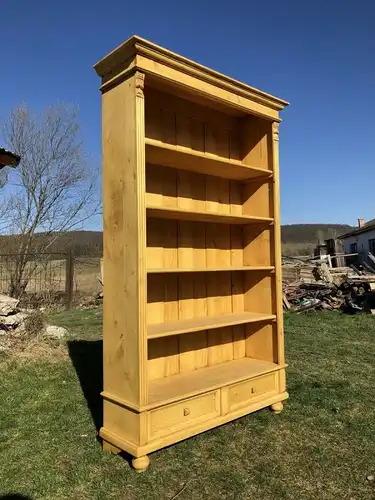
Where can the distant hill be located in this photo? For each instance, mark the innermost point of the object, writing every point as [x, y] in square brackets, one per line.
[301, 239]
[311, 233]
[83, 243]
[297, 239]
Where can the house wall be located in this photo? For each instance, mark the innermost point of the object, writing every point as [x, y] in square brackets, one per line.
[362, 241]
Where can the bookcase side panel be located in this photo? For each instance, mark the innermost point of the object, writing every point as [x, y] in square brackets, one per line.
[258, 198]
[256, 140]
[124, 344]
[277, 245]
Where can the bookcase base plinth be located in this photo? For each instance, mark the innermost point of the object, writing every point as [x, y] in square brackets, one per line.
[168, 424]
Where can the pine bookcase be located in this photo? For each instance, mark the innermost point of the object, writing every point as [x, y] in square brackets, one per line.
[193, 319]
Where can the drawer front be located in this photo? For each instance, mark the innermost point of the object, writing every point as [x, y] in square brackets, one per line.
[243, 393]
[183, 414]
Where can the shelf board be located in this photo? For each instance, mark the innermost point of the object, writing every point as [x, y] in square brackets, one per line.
[158, 330]
[203, 216]
[210, 269]
[176, 387]
[183, 158]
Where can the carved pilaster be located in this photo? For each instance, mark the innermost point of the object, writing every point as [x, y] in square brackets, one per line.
[139, 83]
[275, 131]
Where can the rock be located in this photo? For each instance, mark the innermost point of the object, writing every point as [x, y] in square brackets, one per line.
[13, 320]
[371, 477]
[8, 305]
[55, 332]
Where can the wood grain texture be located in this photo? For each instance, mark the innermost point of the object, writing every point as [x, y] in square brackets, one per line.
[261, 341]
[256, 143]
[124, 242]
[182, 415]
[277, 246]
[259, 293]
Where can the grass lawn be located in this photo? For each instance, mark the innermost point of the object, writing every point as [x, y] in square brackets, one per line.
[322, 446]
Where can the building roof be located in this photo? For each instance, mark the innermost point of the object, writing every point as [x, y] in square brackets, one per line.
[8, 159]
[367, 227]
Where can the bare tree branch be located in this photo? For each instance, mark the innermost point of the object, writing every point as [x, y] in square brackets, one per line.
[54, 188]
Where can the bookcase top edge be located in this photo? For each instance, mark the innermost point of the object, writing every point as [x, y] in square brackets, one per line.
[119, 58]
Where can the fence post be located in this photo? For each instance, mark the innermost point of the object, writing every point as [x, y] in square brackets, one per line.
[69, 279]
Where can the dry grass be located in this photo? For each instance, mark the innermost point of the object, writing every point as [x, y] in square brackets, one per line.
[34, 350]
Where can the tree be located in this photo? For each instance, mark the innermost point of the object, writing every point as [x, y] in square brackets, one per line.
[54, 189]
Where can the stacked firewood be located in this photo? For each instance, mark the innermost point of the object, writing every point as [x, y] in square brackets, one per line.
[347, 289]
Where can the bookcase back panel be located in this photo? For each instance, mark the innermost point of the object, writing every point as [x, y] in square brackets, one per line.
[196, 245]
[175, 244]
[188, 352]
[185, 353]
[169, 187]
[177, 121]
[173, 297]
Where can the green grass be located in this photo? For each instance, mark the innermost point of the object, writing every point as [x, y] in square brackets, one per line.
[322, 446]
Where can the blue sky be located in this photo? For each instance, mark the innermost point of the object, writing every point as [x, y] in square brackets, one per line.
[318, 55]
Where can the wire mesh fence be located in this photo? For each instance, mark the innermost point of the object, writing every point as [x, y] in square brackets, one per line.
[86, 277]
[51, 278]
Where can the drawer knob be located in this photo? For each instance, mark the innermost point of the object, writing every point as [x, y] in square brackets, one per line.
[252, 390]
[186, 412]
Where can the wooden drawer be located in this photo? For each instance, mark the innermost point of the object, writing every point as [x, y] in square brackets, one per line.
[184, 414]
[241, 394]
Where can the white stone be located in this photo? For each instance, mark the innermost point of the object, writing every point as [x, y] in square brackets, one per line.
[8, 305]
[55, 332]
[13, 320]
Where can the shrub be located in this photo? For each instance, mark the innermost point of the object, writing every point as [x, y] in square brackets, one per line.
[35, 324]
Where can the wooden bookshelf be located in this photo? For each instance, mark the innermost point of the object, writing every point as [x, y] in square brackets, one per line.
[204, 323]
[193, 320]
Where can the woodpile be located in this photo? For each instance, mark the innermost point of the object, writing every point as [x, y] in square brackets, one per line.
[315, 286]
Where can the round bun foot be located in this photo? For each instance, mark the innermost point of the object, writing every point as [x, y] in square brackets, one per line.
[141, 464]
[277, 408]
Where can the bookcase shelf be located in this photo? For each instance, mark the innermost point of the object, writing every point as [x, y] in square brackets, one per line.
[203, 216]
[210, 269]
[160, 153]
[184, 385]
[159, 330]
[192, 310]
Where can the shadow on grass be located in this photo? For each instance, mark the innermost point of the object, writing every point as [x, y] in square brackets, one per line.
[14, 496]
[87, 359]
